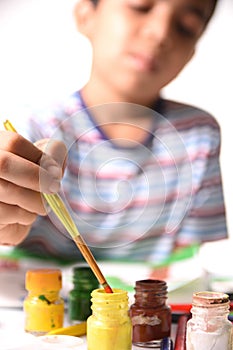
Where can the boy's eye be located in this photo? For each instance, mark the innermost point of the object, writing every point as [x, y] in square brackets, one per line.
[141, 8]
[190, 26]
[141, 5]
[186, 31]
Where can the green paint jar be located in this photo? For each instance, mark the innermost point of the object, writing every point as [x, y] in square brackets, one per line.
[79, 298]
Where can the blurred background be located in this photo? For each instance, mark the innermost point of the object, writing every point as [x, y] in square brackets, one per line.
[43, 57]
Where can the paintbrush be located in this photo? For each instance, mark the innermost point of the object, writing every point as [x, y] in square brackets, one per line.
[57, 205]
[180, 341]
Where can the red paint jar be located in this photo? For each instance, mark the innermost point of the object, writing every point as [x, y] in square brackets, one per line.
[150, 315]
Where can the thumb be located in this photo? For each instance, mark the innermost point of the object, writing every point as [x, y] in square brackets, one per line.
[55, 149]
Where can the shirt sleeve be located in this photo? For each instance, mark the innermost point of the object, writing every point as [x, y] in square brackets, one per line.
[206, 219]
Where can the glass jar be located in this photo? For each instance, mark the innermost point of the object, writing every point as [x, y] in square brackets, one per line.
[79, 298]
[109, 327]
[43, 306]
[209, 327]
[150, 315]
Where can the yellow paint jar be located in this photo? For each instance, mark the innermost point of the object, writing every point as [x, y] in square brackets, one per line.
[109, 327]
[43, 306]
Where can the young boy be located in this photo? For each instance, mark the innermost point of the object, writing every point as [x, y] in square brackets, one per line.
[142, 173]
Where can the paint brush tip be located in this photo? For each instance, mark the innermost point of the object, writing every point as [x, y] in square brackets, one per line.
[107, 288]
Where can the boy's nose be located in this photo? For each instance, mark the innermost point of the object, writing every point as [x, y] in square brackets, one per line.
[158, 26]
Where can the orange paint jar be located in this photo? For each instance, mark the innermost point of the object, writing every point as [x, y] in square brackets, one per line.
[43, 306]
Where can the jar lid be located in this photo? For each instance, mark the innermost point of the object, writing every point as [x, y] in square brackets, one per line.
[43, 279]
[209, 299]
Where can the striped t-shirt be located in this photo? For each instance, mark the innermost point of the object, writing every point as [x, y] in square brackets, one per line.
[134, 202]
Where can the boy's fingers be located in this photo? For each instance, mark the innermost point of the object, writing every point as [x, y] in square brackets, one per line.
[54, 148]
[27, 174]
[13, 234]
[18, 145]
[22, 197]
[10, 214]
[15, 143]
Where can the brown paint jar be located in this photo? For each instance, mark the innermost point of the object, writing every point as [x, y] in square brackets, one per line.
[150, 315]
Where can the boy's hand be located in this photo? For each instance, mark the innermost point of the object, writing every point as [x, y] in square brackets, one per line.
[26, 170]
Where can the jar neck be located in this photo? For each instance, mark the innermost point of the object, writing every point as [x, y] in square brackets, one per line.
[84, 278]
[150, 293]
[210, 304]
[110, 305]
[218, 311]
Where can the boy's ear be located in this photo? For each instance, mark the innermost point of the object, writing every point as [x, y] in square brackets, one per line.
[83, 13]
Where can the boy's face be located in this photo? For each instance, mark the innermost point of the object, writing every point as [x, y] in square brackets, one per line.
[139, 46]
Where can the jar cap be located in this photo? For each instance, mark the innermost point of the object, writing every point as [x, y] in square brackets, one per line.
[208, 299]
[43, 279]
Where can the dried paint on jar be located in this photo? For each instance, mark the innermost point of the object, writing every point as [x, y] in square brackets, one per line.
[209, 327]
[109, 327]
[150, 315]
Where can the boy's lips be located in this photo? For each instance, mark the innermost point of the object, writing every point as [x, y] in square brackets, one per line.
[144, 62]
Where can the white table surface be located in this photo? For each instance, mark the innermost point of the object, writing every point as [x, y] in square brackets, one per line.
[13, 336]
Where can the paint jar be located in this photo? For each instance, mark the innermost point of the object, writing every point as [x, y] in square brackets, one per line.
[209, 327]
[150, 315]
[109, 327]
[79, 298]
[43, 306]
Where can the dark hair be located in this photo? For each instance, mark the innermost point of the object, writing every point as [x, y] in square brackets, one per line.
[213, 8]
[210, 15]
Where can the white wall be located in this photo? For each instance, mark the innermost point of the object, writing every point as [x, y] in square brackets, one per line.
[207, 82]
[42, 56]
